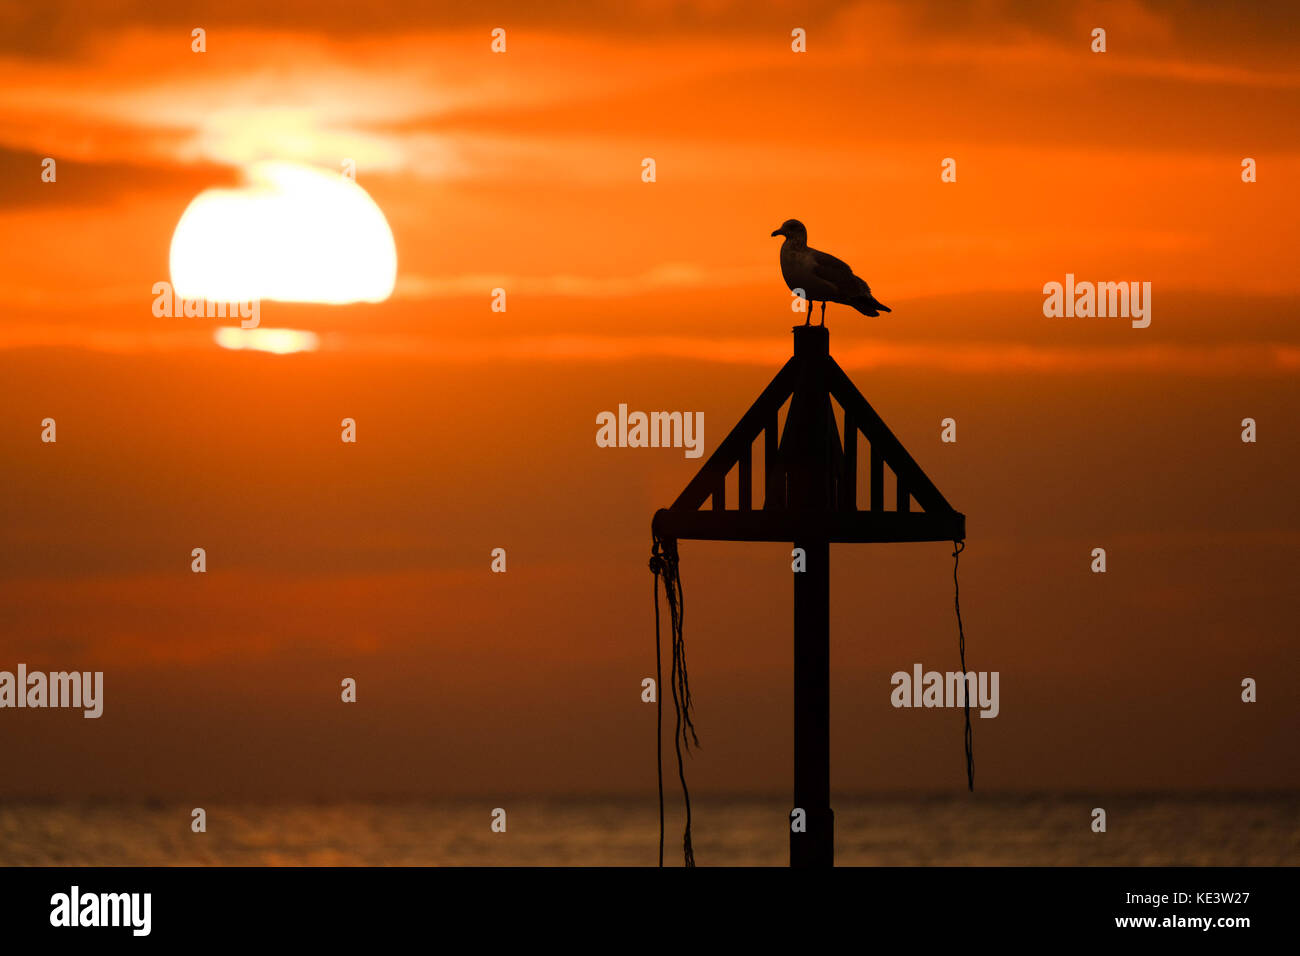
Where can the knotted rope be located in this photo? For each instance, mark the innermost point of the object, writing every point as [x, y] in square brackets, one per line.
[960, 546]
[663, 562]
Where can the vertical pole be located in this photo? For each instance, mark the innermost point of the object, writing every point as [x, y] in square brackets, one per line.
[812, 709]
[806, 449]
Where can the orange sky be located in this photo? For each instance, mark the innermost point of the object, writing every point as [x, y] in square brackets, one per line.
[476, 428]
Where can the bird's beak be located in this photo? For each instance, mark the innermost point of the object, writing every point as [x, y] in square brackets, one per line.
[777, 232]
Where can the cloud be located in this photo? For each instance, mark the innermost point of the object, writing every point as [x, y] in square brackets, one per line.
[417, 93]
[986, 358]
[1251, 360]
[662, 278]
[82, 183]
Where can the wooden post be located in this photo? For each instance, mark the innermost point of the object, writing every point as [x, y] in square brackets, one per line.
[812, 709]
[806, 449]
[810, 500]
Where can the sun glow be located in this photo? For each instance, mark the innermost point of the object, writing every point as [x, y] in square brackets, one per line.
[293, 233]
[275, 341]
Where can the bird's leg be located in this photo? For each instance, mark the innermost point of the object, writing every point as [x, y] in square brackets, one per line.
[808, 321]
[823, 314]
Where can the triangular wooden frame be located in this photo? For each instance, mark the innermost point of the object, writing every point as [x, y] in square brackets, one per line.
[809, 380]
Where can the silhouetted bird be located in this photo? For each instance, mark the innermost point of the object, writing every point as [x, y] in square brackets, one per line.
[822, 277]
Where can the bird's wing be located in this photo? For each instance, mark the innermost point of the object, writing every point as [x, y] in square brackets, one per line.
[837, 272]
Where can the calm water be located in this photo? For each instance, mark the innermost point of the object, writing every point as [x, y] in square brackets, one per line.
[1149, 830]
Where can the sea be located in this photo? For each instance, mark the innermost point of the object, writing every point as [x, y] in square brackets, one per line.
[987, 829]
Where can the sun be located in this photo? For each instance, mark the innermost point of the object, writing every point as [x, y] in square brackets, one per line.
[291, 233]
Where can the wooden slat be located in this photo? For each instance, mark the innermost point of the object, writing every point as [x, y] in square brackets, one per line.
[773, 476]
[883, 441]
[849, 484]
[836, 447]
[747, 479]
[877, 480]
[746, 431]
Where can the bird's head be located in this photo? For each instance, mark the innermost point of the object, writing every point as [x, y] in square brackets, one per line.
[792, 229]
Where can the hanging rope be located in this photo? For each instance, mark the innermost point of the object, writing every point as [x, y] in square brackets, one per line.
[960, 546]
[663, 561]
[656, 565]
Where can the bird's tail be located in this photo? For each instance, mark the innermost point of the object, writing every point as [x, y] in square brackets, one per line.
[869, 305]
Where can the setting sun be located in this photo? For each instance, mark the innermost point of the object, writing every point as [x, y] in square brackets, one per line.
[292, 233]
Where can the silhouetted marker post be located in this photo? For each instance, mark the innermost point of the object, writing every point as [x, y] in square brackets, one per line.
[810, 480]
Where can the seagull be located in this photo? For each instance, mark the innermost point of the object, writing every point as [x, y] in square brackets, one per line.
[821, 276]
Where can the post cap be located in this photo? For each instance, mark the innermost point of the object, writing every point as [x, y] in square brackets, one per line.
[811, 341]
